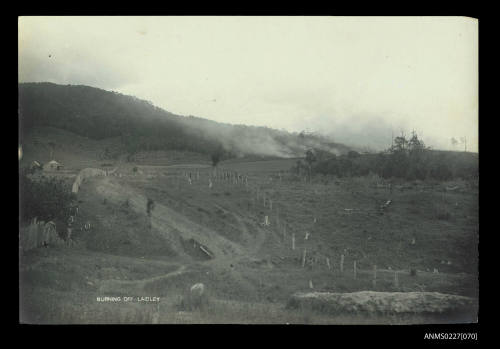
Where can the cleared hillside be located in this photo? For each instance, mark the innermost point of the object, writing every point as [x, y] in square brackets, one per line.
[128, 253]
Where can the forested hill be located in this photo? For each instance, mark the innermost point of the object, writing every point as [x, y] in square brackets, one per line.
[99, 114]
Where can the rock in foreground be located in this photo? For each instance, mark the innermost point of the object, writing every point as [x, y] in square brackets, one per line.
[382, 302]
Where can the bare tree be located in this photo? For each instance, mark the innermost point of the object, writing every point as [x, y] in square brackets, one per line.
[463, 140]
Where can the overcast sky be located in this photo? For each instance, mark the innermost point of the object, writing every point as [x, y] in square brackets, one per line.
[355, 78]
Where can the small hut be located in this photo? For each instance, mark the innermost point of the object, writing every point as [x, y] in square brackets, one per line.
[52, 166]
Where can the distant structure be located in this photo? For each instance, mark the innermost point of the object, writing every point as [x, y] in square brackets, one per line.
[52, 166]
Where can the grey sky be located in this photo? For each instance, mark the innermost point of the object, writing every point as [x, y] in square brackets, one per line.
[356, 78]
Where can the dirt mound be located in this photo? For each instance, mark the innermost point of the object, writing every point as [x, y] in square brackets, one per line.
[382, 302]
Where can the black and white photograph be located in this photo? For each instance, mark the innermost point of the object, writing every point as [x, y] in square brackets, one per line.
[257, 170]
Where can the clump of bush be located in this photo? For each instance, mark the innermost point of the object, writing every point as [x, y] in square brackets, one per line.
[442, 214]
[44, 198]
[407, 159]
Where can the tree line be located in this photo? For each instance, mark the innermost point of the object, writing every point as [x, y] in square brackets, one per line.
[408, 159]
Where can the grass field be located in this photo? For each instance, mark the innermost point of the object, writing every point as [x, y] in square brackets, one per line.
[253, 270]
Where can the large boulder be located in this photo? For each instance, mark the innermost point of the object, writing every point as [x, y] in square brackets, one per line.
[382, 302]
[195, 298]
[197, 290]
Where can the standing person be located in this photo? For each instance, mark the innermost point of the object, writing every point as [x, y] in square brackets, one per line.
[150, 205]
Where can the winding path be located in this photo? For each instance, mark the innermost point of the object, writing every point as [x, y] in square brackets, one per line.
[168, 222]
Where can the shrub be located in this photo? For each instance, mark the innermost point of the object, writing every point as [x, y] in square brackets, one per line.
[441, 171]
[45, 198]
[442, 214]
[353, 154]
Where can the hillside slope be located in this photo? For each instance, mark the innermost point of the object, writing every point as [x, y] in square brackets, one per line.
[140, 126]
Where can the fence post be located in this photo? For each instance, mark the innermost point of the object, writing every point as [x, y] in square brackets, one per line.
[328, 263]
[277, 217]
[396, 280]
[355, 270]
[304, 258]
[341, 263]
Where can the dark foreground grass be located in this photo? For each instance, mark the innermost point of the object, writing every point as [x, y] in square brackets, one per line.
[62, 286]
[58, 308]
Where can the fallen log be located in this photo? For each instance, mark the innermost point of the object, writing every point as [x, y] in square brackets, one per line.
[206, 252]
[384, 206]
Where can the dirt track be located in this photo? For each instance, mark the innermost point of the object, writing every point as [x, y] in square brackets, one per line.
[172, 225]
[169, 222]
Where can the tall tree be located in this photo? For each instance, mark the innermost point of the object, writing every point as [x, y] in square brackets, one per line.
[52, 146]
[310, 159]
